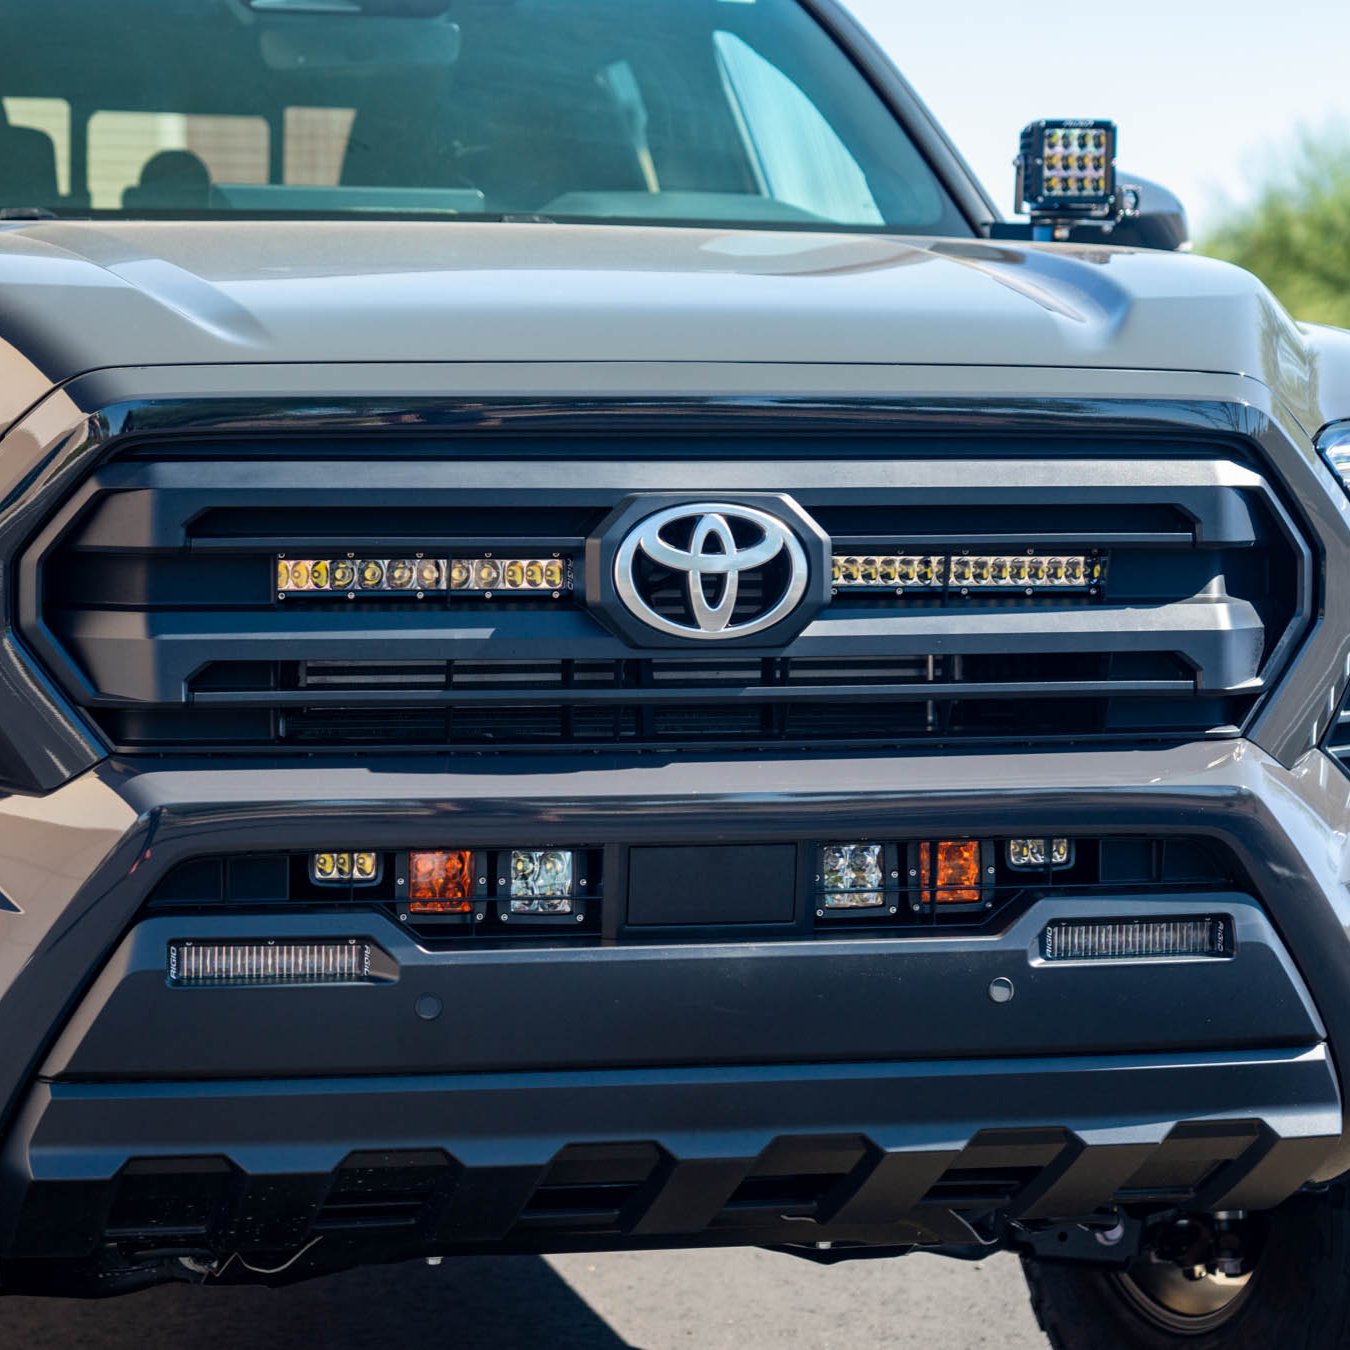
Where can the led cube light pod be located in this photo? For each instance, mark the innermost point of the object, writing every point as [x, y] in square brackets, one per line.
[1040, 853]
[1067, 168]
[542, 881]
[952, 872]
[344, 869]
[852, 876]
[441, 881]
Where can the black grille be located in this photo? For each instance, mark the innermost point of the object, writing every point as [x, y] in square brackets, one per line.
[154, 606]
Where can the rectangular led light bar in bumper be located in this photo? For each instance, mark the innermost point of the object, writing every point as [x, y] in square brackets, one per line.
[1138, 939]
[353, 578]
[280, 961]
[1030, 573]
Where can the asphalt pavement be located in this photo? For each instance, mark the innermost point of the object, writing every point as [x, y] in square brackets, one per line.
[734, 1300]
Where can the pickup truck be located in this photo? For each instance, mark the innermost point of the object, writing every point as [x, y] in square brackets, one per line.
[596, 653]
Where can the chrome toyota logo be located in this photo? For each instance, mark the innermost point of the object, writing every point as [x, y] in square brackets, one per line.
[713, 551]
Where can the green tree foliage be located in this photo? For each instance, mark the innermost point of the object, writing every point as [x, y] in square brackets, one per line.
[1296, 234]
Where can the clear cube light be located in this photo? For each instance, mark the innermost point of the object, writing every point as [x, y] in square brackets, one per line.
[542, 881]
[853, 876]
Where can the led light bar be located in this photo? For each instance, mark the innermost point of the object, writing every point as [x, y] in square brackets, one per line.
[354, 578]
[1138, 939]
[888, 571]
[853, 876]
[1040, 853]
[340, 869]
[543, 881]
[280, 962]
[1027, 572]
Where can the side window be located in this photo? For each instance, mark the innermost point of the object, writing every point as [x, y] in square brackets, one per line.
[169, 160]
[796, 154]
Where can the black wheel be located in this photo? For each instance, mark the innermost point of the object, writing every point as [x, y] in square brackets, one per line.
[1295, 1295]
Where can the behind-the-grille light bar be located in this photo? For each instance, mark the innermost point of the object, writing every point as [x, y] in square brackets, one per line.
[353, 578]
[1138, 939]
[343, 961]
[1027, 572]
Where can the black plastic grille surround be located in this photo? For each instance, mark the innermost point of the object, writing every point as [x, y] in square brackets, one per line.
[152, 604]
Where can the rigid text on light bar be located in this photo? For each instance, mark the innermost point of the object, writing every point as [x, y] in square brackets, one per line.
[1027, 572]
[353, 578]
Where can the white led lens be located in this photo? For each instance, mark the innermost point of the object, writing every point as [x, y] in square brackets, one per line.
[542, 881]
[1042, 853]
[853, 876]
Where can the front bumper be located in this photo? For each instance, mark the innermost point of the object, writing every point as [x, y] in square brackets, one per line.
[681, 1083]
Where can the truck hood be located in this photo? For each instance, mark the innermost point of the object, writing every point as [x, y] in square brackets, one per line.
[78, 296]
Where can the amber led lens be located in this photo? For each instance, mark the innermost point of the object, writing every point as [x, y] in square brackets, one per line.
[952, 875]
[443, 878]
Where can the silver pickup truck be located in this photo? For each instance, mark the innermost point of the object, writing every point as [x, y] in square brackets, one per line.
[596, 653]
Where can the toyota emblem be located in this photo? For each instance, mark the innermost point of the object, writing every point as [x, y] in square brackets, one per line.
[715, 550]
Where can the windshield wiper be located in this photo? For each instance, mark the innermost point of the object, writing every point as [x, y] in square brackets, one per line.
[26, 213]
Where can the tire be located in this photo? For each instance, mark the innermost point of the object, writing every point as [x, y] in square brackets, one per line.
[1297, 1296]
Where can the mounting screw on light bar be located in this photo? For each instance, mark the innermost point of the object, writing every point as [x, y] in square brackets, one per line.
[1138, 939]
[352, 578]
[278, 961]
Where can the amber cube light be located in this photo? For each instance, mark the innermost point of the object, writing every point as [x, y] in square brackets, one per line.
[952, 875]
[441, 882]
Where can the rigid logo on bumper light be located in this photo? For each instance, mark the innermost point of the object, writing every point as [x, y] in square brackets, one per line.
[705, 555]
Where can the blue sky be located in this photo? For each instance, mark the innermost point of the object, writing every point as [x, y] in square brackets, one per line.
[1206, 93]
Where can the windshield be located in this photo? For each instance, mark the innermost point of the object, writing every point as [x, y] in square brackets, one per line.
[677, 111]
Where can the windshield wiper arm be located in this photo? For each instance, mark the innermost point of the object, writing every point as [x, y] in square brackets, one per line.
[26, 213]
